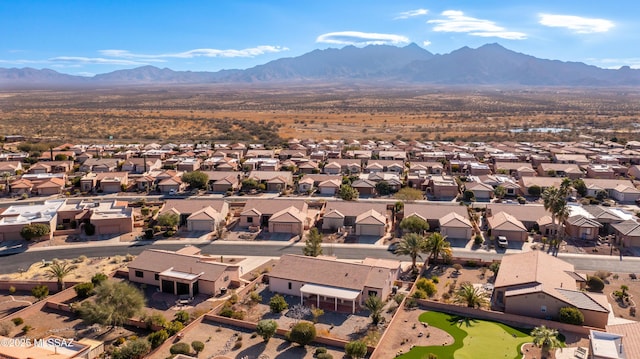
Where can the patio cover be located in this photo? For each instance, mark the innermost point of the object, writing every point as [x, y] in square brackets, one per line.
[333, 292]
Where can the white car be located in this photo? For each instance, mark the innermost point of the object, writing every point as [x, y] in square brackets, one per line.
[503, 242]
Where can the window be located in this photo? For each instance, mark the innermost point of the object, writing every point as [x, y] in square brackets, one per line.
[139, 274]
[373, 293]
[157, 276]
[289, 285]
[543, 308]
[226, 278]
[249, 219]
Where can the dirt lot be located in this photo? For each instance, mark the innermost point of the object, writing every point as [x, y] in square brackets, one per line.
[448, 276]
[219, 340]
[613, 283]
[85, 269]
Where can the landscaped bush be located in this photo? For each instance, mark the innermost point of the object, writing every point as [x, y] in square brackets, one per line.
[12, 290]
[5, 328]
[571, 315]
[89, 229]
[427, 286]
[419, 294]
[595, 284]
[17, 321]
[277, 304]
[98, 278]
[356, 349]
[320, 350]
[324, 356]
[602, 274]
[267, 328]
[84, 290]
[197, 346]
[180, 348]
[157, 338]
[302, 333]
[173, 327]
[40, 291]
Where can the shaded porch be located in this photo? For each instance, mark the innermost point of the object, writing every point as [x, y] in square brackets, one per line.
[332, 298]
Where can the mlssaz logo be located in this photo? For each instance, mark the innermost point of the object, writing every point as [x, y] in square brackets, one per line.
[53, 342]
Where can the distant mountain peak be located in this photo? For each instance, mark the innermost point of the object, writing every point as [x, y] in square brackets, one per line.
[383, 64]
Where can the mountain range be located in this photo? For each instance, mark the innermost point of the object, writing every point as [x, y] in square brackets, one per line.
[490, 64]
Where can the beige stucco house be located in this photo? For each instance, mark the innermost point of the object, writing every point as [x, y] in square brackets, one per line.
[535, 284]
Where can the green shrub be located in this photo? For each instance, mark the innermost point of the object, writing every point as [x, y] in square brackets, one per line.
[320, 350]
[157, 338]
[26, 329]
[89, 229]
[595, 284]
[98, 278]
[182, 317]
[180, 348]
[571, 315]
[303, 333]
[427, 286]
[17, 321]
[12, 290]
[324, 356]
[267, 328]
[356, 349]
[173, 327]
[277, 304]
[40, 291]
[197, 346]
[84, 290]
[419, 294]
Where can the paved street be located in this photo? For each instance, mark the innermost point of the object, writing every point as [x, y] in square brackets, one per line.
[23, 259]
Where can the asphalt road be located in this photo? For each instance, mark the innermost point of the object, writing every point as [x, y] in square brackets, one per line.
[13, 262]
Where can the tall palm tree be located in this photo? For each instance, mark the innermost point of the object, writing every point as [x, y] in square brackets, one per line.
[545, 338]
[412, 245]
[555, 201]
[438, 246]
[59, 270]
[471, 296]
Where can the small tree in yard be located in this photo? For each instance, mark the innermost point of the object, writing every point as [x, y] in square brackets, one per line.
[169, 219]
[133, 349]
[303, 333]
[348, 193]
[157, 338]
[266, 329]
[59, 271]
[196, 179]
[34, 230]
[571, 315]
[356, 349]
[277, 304]
[427, 286]
[545, 338]
[595, 284]
[375, 305]
[115, 302]
[471, 296]
[84, 290]
[313, 243]
[414, 224]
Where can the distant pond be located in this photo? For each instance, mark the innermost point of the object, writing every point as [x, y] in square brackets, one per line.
[540, 129]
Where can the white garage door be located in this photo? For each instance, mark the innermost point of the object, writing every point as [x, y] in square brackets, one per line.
[285, 228]
[457, 233]
[369, 230]
[204, 226]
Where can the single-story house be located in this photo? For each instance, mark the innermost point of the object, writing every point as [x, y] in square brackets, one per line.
[455, 226]
[538, 285]
[504, 224]
[184, 272]
[331, 284]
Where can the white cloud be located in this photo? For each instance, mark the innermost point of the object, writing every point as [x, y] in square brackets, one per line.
[426, 43]
[361, 38]
[457, 21]
[250, 52]
[94, 60]
[579, 25]
[411, 13]
[611, 63]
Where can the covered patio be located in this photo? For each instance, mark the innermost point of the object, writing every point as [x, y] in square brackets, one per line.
[329, 292]
[179, 283]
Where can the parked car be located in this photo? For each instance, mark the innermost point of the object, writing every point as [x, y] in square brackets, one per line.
[393, 246]
[503, 242]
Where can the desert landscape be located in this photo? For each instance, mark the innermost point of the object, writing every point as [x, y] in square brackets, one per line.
[270, 115]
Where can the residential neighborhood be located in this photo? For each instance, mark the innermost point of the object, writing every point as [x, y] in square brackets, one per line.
[521, 203]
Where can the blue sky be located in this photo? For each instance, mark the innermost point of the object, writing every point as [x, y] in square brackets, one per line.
[89, 37]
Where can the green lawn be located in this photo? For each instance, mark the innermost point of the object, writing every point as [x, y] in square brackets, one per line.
[473, 339]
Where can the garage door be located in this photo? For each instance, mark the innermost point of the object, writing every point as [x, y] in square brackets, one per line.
[457, 233]
[285, 228]
[369, 230]
[205, 226]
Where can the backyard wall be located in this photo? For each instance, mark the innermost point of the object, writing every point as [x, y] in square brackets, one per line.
[27, 285]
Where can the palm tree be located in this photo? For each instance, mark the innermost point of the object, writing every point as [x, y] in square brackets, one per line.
[59, 270]
[375, 306]
[471, 296]
[545, 338]
[412, 245]
[555, 201]
[438, 246]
